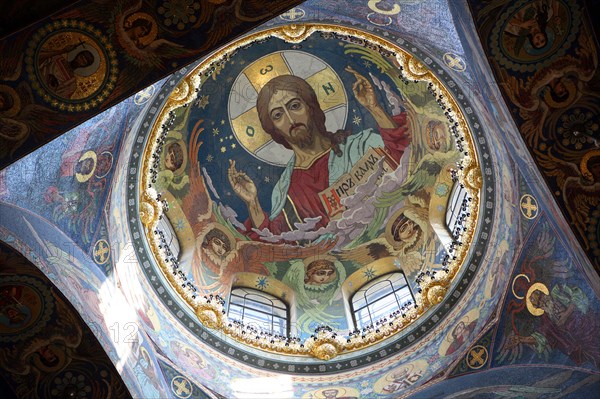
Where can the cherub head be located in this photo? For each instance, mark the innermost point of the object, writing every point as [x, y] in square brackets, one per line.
[319, 272]
[173, 157]
[405, 229]
[217, 243]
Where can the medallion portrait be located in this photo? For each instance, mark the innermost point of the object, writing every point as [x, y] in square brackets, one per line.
[401, 378]
[334, 392]
[70, 65]
[531, 34]
[461, 333]
[25, 307]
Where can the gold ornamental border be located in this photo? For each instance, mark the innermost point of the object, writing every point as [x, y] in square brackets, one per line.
[325, 344]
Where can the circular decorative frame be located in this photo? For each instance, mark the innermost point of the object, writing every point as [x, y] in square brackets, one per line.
[543, 60]
[106, 52]
[46, 302]
[145, 208]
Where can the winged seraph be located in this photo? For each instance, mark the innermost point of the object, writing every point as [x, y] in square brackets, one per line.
[364, 254]
[424, 176]
[213, 268]
[410, 260]
[153, 51]
[197, 204]
[251, 256]
[313, 298]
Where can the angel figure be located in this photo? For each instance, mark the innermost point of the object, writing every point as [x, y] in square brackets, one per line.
[434, 155]
[227, 16]
[316, 281]
[137, 33]
[408, 237]
[220, 252]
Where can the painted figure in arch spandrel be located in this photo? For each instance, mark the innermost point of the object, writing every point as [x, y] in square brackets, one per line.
[289, 112]
[553, 315]
[565, 321]
[220, 251]
[529, 28]
[317, 282]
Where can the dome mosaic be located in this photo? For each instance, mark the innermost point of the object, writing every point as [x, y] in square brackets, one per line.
[310, 190]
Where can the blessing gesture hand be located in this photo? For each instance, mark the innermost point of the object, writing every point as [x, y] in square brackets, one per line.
[363, 91]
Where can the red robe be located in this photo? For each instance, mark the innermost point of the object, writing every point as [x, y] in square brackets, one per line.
[306, 184]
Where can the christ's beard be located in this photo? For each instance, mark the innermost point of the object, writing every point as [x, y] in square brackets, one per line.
[303, 138]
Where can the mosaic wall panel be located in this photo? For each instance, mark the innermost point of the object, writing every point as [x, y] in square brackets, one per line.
[46, 349]
[91, 294]
[545, 58]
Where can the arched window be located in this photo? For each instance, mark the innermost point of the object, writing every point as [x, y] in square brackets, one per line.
[168, 234]
[254, 307]
[456, 210]
[379, 298]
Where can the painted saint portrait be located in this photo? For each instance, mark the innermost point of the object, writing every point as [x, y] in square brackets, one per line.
[460, 334]
[20, 307]
[401, 378]
[536, 29]
[333, 393]
[564, 321]
[71, 66]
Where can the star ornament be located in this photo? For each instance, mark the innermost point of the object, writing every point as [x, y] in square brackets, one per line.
[262, 283]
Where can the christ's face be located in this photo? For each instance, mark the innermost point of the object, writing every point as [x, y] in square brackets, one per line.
[291, 117]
